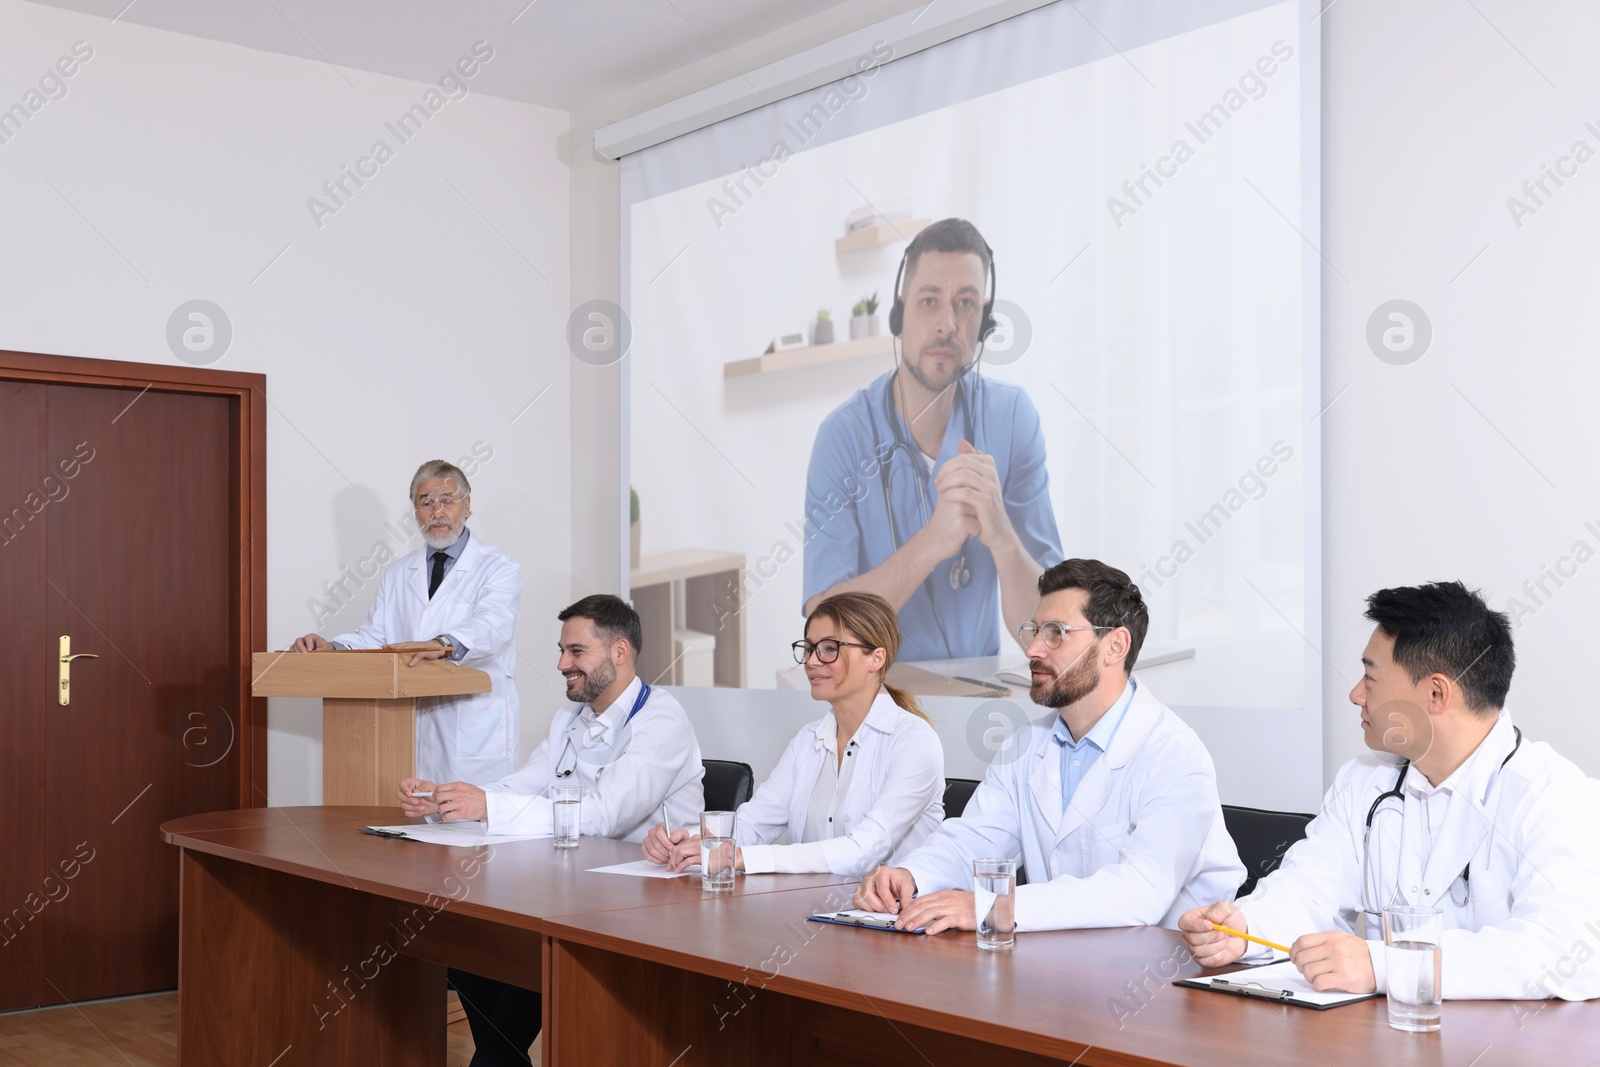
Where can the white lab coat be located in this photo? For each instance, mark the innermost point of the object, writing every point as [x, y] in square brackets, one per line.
[894, 802]
[626, 772]
[1141, 842]
[1528, 830]
[470, 738]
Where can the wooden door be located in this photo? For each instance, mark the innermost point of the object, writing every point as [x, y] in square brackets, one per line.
[130, 541]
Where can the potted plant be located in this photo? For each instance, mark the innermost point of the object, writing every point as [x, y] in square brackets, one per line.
[633, 527]
[822, 329]
[863, 318]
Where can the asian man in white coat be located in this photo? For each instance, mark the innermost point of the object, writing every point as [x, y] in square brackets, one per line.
[630, 749]
[454, 598]
[1110, 803]
[1452, 809]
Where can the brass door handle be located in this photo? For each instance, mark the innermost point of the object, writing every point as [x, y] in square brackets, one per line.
[65, 669]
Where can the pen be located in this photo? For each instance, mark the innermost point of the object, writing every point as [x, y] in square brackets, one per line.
[667, 826]
[977, 681]
[1249, 937]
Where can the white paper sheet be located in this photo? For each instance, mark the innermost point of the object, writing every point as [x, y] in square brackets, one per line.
[1286, 976]
[641, 869]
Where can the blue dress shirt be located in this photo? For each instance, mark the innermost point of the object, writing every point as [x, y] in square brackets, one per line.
[1078, 756]
[858, 471]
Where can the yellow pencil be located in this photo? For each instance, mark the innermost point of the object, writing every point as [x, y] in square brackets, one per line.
[1249, 937]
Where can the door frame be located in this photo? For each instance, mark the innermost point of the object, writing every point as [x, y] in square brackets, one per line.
[247, 510]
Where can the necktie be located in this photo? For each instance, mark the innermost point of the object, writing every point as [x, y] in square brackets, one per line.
[438, 573]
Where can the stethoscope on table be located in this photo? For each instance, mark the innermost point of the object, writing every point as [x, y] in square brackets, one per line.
[1459, 889]
[639, 702]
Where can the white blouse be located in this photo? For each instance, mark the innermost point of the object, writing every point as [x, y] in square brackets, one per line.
[885, 801]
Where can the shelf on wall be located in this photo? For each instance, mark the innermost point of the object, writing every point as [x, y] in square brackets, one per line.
[884, 233]
[810, 356]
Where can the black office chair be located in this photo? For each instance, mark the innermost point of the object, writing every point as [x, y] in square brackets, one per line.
[727, 784]
[1262, 837]
[957, 791]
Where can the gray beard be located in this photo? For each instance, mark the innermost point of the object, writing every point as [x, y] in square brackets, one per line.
[444, 540]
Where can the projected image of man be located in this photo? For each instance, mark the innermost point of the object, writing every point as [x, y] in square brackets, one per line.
[929, 487]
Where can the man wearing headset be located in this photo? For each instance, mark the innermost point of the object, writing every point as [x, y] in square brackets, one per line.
[1453, 809]
[928, 487]
[631, 749]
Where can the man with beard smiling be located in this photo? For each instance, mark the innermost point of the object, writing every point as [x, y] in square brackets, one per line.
[628, 746]
[928, 487]
[456, 598]
[1110, 804]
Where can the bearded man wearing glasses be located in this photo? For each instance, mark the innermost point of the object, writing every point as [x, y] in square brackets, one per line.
[1109, 804]
[454, 598]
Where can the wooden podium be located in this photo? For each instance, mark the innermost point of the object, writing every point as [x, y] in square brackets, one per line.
[369, 712]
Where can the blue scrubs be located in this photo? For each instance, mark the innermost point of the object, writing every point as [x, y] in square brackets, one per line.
[847, 522]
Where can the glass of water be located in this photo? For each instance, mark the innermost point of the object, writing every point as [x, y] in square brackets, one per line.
[994, 890]
[1411, 939]
[717, 851]
[565, 806]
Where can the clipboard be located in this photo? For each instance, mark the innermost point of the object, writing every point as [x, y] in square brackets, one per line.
[866, 920]
[1279, 983]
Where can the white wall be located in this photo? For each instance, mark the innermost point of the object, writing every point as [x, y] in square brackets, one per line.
[417, 321]
[1473, 462]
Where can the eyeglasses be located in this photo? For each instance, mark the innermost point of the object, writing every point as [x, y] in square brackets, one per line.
[445, 501]
[1053, 632]
[827, 649]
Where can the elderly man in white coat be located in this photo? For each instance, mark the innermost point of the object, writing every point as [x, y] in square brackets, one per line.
[1452, 809]
[456, 598]
[1110, 803]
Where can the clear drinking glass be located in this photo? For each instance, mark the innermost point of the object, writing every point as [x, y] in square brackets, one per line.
[717, 851]
[565, 806]
[1411, 939]
[994, 888]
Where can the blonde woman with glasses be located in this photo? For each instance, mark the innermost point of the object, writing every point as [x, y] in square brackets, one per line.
[861, 784]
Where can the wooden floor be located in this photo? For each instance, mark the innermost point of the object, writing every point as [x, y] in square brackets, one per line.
[136, 1031]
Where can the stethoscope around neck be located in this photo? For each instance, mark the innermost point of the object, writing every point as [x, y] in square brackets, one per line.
[1459, 889]
[569, 747]
[960, 575]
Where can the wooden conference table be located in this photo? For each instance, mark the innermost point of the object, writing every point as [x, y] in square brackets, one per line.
[305, 942]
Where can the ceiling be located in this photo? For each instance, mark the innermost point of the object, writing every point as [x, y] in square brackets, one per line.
[563, 54]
